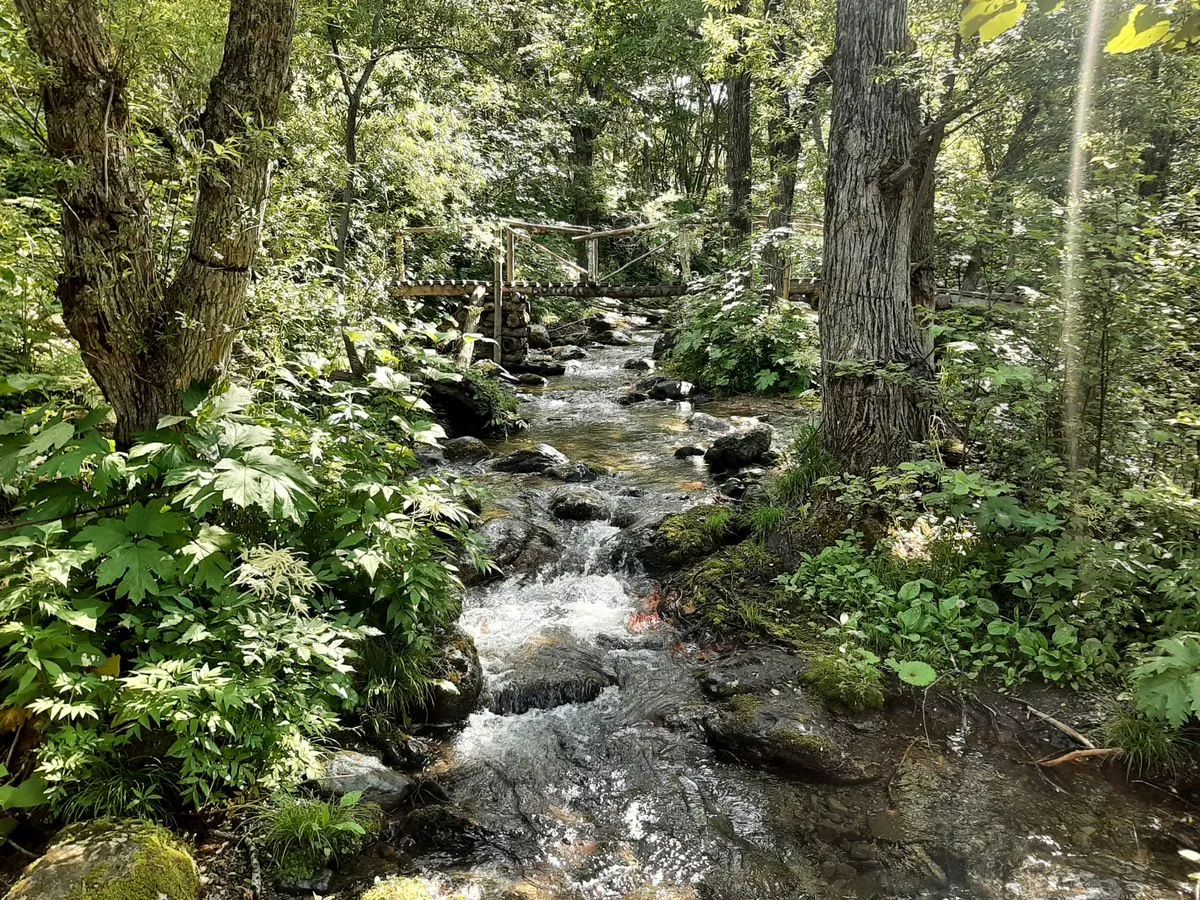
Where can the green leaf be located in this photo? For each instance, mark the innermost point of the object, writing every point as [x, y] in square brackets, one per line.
[136, 569]
[274, 484]
[29, 794]
[910, 591]
[1144, 27]
[49, 438]
[917, 674]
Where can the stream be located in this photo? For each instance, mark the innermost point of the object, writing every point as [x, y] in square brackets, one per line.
[587, 773]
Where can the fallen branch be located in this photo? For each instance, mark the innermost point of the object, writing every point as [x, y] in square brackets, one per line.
[1076, 755]
[1064, 728]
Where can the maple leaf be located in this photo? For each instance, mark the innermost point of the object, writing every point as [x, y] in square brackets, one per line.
[136, 569]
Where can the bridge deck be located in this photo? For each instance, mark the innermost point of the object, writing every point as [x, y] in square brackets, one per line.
[583, 290]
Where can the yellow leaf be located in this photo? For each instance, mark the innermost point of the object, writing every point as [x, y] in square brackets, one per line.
[1144, 28]
[991, 18]
[110, 668]
[1002, 21]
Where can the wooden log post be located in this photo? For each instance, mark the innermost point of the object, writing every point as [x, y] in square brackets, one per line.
[510, 255]
[593, 260]
[498, 307]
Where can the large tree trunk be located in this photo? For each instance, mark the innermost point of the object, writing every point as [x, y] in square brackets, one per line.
[923, 281]
[738, 176]
[875, 376]
[586, 205]
[143, 340]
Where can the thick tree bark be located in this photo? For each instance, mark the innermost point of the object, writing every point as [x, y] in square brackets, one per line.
[143, 340]
[876, 380]
[586, 206]
[923, 280]
[739, 176]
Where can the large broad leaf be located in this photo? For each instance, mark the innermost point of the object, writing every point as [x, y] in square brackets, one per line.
[918, 674]
[136, 569]
[275, 485]
[29, 794]
[1144, 28]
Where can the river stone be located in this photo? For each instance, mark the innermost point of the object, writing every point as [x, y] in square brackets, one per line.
[704, 422]
[539, 337]
[553, 671]
[542, 364]
[633, 397]
[639, 365]
[454, 697]
[614, 338]
[466, 449]
[573, 473]
[739, 448]
[535, 461]
[689, 452]
[531, 380]
[348, 772]
[111, 860]
[658, 387]
[581, 504]
[463, 406]
[605, 321]
[568, 352]
[782, 732]
[516, 544]
[664, 344]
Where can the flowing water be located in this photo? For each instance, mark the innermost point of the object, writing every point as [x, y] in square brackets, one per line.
[606, 787]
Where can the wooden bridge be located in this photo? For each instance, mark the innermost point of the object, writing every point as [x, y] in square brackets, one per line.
[500, 306]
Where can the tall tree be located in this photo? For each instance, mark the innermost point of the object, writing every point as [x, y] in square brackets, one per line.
[739, 159]
[146, 339]
[874, 373]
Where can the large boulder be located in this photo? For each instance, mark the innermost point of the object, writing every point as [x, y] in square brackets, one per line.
[541, 364]
[740, 448]
[639, 365]
[665, 344]
[111, 860]
[581, 504]
[454, 697]
[553, 671]
[539, 337]
[347, 772]
[470, 406]
[516, 544]
[568, 352]
[531, 462]
[606, 321]
[614, 338]
[659, 387]
[710, 424]
[573, 473]
[466, 449]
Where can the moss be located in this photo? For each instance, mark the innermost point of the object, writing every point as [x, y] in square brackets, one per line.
[853, 683]
[745, 707]
[399, 889]
[161, 867]
[687, 537]
[809, 747]
[735, 590]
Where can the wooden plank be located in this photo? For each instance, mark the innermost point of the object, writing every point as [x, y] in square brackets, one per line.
[510, 256]
[498, 309]
[546, 228]
[466, 352]
[593, 260]
[616, 232]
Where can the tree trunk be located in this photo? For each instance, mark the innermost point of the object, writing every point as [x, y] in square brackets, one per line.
[923, 279]
[145, 341]
[739, 160]
[586, 207]
[876, 380]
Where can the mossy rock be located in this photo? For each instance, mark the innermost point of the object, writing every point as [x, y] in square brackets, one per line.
[835, 679]
[735, 592]
[688, 537]
[111, 860]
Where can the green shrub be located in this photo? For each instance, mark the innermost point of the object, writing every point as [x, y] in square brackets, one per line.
[305, 835]
[850, 677]
[766, 520]
[732, 341]
[187, 611]
[1166, 684]
[806, 464]
[1149, 746]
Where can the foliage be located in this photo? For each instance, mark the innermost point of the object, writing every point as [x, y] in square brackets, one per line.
[1148, 745]
[1165, 683]
[306, 835]
[191, 607]
[1144, 25]
[731, 342]
[850, 677]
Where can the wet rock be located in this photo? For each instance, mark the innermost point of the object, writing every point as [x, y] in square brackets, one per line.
[516, 544]
[318, 884]
[464, 406]
[740, 448]
[689, 452]
[614, 338]
[711, 424]
[347, 772]
[531, 380]
[111, 860]
[684, 538]
[1052, 877]
[658, 387]
[633, 397]
[440, 829]
[539, 337]
[581, 504]
[665, 344]
[429, 456]
[624, 515]
[734, 488]
[531, 462]
[568, 352]
[551, 673]
[454, 697]
[639, 365]
[541, 364]
[784, 733]
[606, 321]
[466, 449]
[573, 473]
